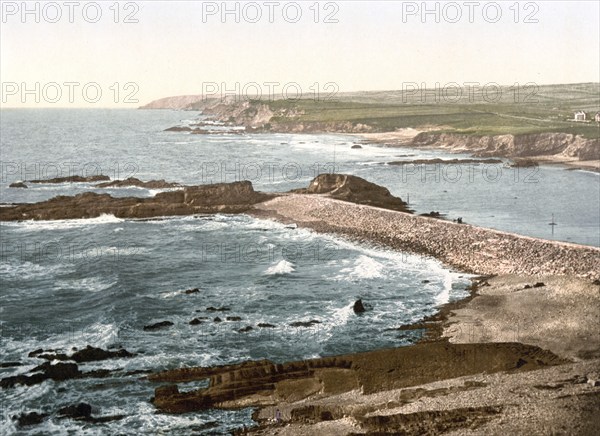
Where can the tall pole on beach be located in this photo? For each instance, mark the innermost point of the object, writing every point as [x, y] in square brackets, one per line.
[552, 223]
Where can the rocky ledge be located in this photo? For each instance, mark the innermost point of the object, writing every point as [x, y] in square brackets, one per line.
[355, 190]
[264, 383]
[234, 197]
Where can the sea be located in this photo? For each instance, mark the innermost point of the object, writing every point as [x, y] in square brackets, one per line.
[72, 283]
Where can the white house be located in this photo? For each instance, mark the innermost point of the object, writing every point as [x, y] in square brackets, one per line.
[580, 116]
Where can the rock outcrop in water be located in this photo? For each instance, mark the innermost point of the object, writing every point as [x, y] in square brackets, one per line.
[355, 190]
[233, 197]
[132, 181]
[73, 179]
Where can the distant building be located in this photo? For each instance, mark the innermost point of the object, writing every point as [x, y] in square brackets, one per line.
[580, 116]
[597, 117]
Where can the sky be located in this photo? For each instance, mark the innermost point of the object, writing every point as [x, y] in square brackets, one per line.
[126, 54]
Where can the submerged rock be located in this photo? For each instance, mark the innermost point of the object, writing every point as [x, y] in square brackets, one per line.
[17, 185]
[217, 309]
[132, 181]
[73, 179]
[158, 325]
[30, 418]
[305, 323]
[90, 354]
[58, 372]
[81, 410]
[178, 129]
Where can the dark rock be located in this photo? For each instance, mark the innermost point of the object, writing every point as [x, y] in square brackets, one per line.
[523, 163]
[358, 307]
[90, 354]
[305, 323]
[425, 281]
[217, 319]
[596, 282]
[17, 185]
[81, 410]
[432, 214]
[10, 364]
[31, 418]
[35, 352]
[178, 129]
[265, 325]
[62, 371]
[56, 356]
[233, 318]
[438, 161]
[132, 181]
[73, 179]
[246, 329]
[158, 325]
[217, 309]
[356, 146]
[195, 321]
[527, 287]
[233, 197]
[192, 291]
[354, 189]
[539, 285]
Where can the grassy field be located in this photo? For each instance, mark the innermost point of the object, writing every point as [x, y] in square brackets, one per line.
[505, 110]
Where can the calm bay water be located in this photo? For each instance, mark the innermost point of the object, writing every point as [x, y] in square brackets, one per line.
[77, 282]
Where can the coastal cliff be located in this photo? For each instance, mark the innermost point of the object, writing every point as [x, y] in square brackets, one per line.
[563, 142]
[540, 145]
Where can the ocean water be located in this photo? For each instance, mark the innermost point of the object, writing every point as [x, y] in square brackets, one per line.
[71, 283]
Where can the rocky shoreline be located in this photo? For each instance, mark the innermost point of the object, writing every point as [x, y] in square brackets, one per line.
[473, 372]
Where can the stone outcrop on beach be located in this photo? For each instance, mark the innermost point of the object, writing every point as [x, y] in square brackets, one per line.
[258, 383]
[233, 197]
[354, 189]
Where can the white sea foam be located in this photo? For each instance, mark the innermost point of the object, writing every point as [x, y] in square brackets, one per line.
[282, 267]
[364, 267]
[62, 224]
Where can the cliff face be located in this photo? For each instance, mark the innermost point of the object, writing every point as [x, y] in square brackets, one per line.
[539, 145]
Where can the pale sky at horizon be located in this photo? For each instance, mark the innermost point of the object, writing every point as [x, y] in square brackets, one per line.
[171, 51]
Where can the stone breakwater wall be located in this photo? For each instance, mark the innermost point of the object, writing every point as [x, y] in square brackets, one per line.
[465, 247]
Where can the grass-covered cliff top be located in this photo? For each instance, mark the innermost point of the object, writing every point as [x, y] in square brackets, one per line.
[507, 110]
